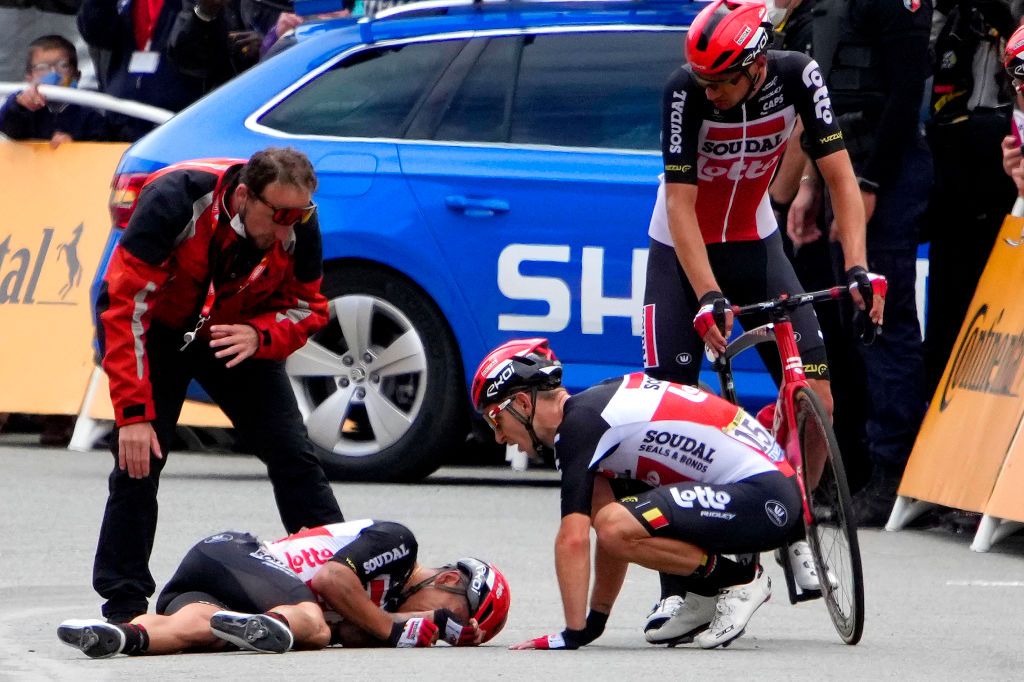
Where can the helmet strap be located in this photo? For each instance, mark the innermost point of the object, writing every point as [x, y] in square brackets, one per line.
[540, 448]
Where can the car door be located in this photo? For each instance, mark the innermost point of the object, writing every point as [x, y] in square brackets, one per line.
[538, 180]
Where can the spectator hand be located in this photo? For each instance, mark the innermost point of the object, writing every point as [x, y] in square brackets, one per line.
[1011, 154]
[286, 21]
[134, 443]
[58, 139]
[1017, 174]
[802, 220]
[239, 340]
[247, 43]
[31, 98]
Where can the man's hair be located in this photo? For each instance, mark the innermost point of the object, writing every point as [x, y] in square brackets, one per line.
[286, 165]
[51, 42]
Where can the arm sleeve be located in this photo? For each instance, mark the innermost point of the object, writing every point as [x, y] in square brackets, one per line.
[903, 46]
[99, 23]
[385, 548]
[298, 309]
[134, 276]
[578, 439]
[197, 46]
[15, 120]
[680, 127]
[822, 135]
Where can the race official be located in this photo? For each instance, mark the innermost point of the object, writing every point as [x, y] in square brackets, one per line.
[704, 478]
[357, 584]
[217, 279]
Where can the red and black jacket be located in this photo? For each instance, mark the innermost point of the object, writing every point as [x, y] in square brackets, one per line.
[161, 269]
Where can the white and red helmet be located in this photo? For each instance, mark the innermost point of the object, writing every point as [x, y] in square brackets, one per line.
[488, 594]
[727, 36]
[519, 365]
[1013, 58]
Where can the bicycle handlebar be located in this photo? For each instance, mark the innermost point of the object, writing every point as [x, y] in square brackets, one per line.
[791, 301]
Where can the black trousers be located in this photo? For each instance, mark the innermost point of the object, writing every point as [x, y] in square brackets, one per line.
[257, 398]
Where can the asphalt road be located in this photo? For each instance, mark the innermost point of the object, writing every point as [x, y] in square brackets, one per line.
[935, 610]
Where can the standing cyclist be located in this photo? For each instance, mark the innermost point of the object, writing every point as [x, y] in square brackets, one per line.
[727, 115]
[705, 478]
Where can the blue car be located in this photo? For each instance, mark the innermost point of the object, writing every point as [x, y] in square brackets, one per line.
[487, 171]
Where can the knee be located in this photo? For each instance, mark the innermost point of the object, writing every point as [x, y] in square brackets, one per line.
[614, 533]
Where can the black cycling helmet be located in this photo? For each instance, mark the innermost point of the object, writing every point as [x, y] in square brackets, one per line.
[519, 365]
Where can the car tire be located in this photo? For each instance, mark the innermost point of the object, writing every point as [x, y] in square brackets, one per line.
[381, 387]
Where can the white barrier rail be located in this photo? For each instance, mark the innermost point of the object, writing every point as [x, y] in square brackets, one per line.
[97, 100]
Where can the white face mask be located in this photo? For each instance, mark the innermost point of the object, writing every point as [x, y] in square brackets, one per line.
[237, 225]
[775, 14]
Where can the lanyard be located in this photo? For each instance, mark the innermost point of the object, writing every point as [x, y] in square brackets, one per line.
[211, 295]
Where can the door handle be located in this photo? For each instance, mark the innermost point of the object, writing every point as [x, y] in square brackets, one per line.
[476, 207]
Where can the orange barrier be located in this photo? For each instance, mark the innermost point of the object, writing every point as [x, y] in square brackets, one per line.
[52, 236]
[964, 453]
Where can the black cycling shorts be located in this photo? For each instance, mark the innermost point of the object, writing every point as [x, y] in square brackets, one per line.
[756, 514]
[748, 272]
[231, 570]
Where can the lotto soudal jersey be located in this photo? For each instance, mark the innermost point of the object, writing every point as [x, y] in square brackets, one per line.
[381, 553]
[658, 433]
[731, 155]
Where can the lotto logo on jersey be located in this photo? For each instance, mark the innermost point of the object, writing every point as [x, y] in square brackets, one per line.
[812, 78]
[706, 496]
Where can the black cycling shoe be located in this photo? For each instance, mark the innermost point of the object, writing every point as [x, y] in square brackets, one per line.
[252, 631]
[94, 638]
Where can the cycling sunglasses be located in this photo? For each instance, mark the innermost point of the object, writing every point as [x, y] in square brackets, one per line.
[288, 216]
[491, 415]
[715, 84]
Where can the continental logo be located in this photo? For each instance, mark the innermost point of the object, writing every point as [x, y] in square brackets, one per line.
[41, 273]
[831, 138]
[675, 167]
[987, 361]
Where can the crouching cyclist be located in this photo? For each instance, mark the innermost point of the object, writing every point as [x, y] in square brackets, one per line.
[714, 482]
[356, 584]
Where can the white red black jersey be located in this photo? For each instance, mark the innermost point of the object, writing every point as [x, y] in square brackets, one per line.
[732, 155]
[660, 433]
[381, 553]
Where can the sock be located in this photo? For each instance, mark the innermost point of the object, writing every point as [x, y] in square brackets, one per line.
[136, 639]
[719, 572]
[277, 616]
[673, 585]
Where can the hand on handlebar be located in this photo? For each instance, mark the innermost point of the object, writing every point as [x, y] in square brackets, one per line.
[868, 291]
[713, 320]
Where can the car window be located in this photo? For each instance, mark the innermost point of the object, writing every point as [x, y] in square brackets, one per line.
[592, 89]
[373, 93]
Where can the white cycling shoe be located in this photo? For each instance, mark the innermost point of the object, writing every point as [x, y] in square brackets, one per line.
[801, 562]
[675, 620]
[733, 611]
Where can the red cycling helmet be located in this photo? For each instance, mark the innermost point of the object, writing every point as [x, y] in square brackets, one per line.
[488, 594]
[1013, 58]
[522, 364]
[728, 35]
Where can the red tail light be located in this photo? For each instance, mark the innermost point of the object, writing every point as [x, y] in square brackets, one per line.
[124, 193]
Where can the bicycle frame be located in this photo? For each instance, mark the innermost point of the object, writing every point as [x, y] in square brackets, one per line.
[779, 331]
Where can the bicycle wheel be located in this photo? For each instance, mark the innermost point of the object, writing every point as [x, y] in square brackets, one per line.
[833, 532]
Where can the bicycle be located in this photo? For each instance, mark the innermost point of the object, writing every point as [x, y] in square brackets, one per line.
[802, 427]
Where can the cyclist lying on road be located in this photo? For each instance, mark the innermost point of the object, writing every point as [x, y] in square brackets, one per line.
[714, 482]
[356, 584]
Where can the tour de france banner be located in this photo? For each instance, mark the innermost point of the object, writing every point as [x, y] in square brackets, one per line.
[54, 227]
[977, 408]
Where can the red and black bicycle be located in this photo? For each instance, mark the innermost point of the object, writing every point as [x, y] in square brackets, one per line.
[803, 428]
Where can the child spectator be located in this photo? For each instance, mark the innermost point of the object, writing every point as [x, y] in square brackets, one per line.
[27, 115]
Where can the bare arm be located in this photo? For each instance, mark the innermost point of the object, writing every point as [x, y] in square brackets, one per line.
[848, 205]
[572, 564]
[340, 587]
[787, 180]
[609, 573]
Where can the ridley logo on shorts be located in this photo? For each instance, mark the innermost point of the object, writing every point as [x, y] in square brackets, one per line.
[385, 558]
[704, 495]
[777, 512]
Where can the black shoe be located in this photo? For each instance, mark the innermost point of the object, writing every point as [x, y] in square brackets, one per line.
[255, 632]
[94, 638]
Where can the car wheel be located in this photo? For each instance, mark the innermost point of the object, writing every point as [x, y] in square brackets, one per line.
[381, 386]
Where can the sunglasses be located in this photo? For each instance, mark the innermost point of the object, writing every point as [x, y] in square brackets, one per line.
[491, 415]
[288, 216]
[716, 84]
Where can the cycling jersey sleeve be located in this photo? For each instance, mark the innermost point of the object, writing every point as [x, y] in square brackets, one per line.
[822, 134]
[680, 127]
[385, 548]
[578, 439]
